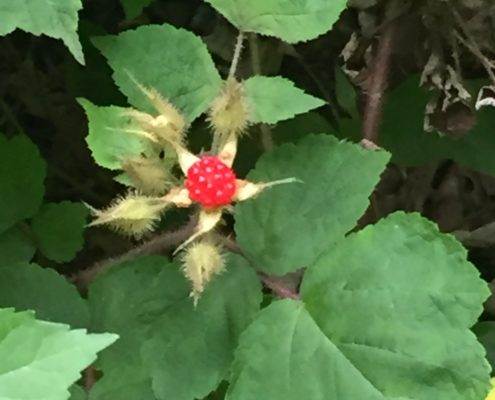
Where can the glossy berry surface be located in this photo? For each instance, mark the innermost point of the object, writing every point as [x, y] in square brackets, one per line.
[210, 182]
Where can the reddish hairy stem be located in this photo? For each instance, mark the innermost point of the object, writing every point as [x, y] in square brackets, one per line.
[271, 282]
[165, 242]
[158, 244]
[279, 288]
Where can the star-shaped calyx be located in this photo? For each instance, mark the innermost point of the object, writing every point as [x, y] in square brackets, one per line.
[210, 181]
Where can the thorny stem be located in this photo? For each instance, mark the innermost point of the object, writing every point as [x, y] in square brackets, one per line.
[265, 130]
[472, 46]
[160, 243]
[271, 282]
[278, 287]
[378, 78]
[89, 378]
[166, 242]
[233, 69]
[237, 54]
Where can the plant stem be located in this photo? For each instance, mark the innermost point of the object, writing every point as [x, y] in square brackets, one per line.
[89, 378]
[271, 282]
[279, 288]
[265, 130]
[166, 242]
[378, 77]
[254, 52]
[237, 55]
[472, 46]
[266, 137]
[161, 243]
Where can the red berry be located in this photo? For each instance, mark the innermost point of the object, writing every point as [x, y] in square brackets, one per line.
[211, 182]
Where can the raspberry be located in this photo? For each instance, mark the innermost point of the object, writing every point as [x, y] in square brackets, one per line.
[210, 182]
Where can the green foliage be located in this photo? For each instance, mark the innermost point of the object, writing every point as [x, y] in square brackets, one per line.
[16, 245]
[376, 312]
[185, 73]
[376, 319]
[22, 175]
[47, 359]
[77, 393]
[410, 145]
[407, 102]
[336, 179]
[349, 124]
[485, 331]
[108, 142]
[274, 99]
[410, 287]
[128, 381]
[160, 324]
[29, 287]
[290, 20]
[58, 229]
[57, 19]
[284, 355]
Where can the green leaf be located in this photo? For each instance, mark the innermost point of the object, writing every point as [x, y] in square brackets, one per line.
[349, 124]
[59, 229]
[410, 145]
[283, 355]
[485, 331]
[77, 393]
[288, 226]
[56, 19]
[107, 139]
[290, 20]
[30, 287]
[40, 360]
[173, 61]
[134, 8]
[125, 379]
[273, 99]
[346, 93]
[165, 340]
[474, 150]
[402, 127]
[398, 299]
[22, 175]
[16, 246]
[386, 315]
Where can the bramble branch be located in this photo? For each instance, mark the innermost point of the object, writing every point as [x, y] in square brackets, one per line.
[378, 75]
